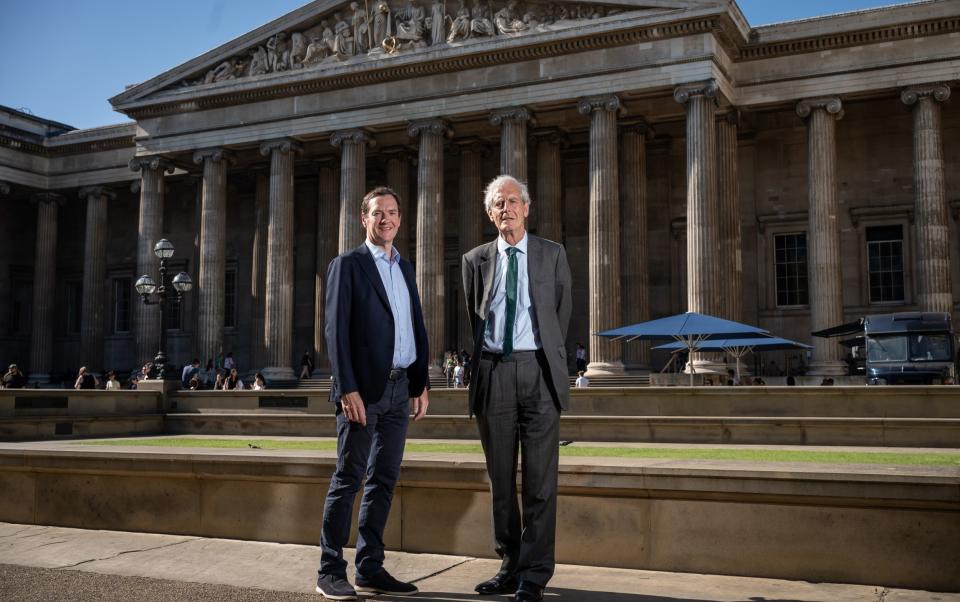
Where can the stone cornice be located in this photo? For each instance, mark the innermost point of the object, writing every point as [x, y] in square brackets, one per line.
[356, 135]
[498, 116]
[938, 92]
[95, 191]
[284, 145]
[470, 145]
[831, 104]
[213, 154]
[154, 162]
[604, 102]
[707, 89]
[432, 125]
[882, 212]
[48, 150]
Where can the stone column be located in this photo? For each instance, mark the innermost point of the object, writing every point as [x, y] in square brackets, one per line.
[328, 240]
[431, 268]
[513, 140]
[728, 219]
[935, 292]
[353, 182]
[604, 233]
[94, 274]
[823, 236]
[213, 251]
[398, 179]
[258, 269]
[549, 190]
[471, 215]
[634, 252]
[44, 286]
[278, 306]
[146, 318]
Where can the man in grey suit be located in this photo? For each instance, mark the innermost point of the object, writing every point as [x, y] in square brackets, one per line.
[517, 290]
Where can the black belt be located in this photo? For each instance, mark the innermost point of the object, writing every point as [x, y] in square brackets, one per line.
[513, 357]
[397, 373]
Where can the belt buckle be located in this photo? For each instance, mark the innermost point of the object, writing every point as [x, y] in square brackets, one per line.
[396, 373]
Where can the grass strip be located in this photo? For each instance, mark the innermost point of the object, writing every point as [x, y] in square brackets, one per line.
[665, 453]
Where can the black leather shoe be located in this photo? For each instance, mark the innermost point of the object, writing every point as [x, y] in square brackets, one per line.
[528, 592]
[502, 583]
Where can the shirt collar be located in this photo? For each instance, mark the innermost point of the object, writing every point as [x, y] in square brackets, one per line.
[521, 246]
[379, 253]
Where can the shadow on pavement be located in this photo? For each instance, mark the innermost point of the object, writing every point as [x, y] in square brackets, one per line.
[554, 594]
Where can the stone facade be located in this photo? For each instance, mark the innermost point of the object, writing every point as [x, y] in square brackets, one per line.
[759, 202]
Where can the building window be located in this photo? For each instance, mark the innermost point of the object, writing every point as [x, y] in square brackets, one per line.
[122, 289]
[791, 258]
[230, 299]
[885, 253]
[74, 306]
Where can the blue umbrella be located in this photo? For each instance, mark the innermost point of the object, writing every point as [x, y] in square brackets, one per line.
[740, 347]
[690, 329]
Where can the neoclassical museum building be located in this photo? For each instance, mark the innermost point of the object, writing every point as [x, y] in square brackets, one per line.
[794, 176]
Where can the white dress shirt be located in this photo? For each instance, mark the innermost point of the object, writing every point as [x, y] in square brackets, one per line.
[526, 336]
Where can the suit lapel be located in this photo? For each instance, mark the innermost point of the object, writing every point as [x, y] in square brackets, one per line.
[370, 269]
[488, 268]
[535, 268]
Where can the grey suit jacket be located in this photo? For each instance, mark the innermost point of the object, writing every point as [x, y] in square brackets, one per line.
[549, 276]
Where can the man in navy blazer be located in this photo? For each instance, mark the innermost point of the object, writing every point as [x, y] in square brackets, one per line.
[377, 345]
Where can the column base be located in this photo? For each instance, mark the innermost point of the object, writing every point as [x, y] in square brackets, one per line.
[827, 368]
[605, 369]
[278, 374]
[636, 369]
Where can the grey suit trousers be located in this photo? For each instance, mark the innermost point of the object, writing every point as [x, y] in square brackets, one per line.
[517, 415]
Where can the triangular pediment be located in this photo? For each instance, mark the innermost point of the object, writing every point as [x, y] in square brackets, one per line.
[328, 34]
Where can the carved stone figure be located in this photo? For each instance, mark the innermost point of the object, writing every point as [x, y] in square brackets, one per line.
[361, 26]
[259, 64]
[317, 50]
[507, 20]
[298, 50]
[438, 23]
[382, 23]
[480, 23]
[222, 72]
[278, 52]
[461, 25]
[410, 23]
[343, 43]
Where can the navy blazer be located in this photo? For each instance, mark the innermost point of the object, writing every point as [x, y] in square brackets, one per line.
[359, 327]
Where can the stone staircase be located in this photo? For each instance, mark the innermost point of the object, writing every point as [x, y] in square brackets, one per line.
[322, 382]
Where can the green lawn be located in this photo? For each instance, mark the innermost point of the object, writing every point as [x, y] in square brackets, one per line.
[755, 455]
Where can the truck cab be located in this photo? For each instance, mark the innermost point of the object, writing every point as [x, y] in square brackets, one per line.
[910, 348]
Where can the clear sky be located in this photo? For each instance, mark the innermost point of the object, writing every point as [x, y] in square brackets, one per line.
[62, 59]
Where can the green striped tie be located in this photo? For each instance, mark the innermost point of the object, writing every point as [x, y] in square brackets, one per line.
[511, 300]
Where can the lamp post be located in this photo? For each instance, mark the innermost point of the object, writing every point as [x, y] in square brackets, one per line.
[146, 286]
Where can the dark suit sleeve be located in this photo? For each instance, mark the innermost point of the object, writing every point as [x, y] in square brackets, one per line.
[337, 328]
[466, 268]
[564, 297]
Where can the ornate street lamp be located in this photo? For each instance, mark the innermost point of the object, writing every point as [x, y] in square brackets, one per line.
[146, 286]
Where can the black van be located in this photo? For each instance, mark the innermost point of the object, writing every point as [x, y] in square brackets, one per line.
[910, 348]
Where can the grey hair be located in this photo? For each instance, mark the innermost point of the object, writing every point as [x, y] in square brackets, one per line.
[494, 187]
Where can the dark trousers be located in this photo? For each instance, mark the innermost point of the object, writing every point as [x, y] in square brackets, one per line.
[518, 416]
[375, 449]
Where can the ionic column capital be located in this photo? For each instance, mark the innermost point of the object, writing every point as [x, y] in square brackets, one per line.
[4, 188]
[641, 126]
[470, 145]
[47, 197]
[403, 153]
[520, 114]
[434, 125]
[731, 116]
[283, 145]
[213, 154]
[155, 162]
[551, 136]
[938, 92]
[707, 89]
[356, 135]
[605, 102]
[831, 104]
[95, 191]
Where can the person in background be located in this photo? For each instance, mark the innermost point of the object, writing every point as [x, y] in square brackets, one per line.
[228, 363]
[581, 355]
[306, 365]
[582, 381]
[208, 375]
[259, 384]
[189, 371]
[221, 379]
[791, 381]
[13, 379]
[233, 381]
[85, 380]
[458, 375]
[112, 383]
[194, 384]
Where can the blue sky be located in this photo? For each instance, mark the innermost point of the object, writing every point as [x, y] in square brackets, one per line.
[64, 58]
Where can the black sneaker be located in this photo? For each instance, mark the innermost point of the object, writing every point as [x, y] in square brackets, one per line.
[382, 582]
[334, 587]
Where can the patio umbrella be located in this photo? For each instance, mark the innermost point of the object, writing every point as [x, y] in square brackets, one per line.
[741, 347]
[690, 330]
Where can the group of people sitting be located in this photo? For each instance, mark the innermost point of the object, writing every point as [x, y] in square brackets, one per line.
[226, 378]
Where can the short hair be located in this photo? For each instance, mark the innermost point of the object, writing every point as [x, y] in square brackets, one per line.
[378, 191]
[494, 187]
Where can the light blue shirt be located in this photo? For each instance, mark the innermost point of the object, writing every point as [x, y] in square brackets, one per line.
[404, 345]
[526, 336]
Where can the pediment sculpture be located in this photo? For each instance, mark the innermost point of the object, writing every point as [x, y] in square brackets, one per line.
[386, 28]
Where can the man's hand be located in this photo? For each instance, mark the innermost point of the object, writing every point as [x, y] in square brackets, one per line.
[420, 405]
[353, 407]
